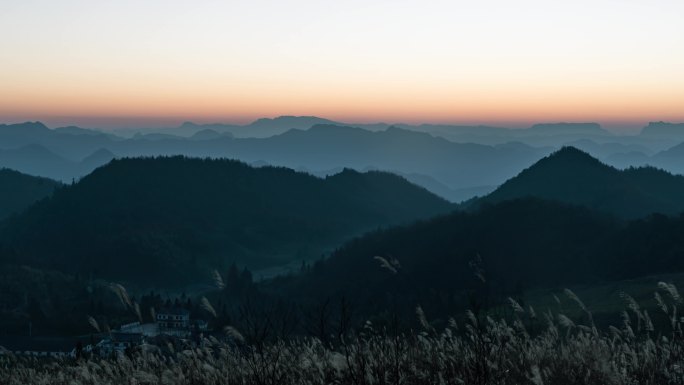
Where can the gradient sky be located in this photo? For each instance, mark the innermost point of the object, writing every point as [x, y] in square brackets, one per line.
[154, 62]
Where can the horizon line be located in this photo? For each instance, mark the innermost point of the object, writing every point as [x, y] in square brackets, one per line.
[120, 123]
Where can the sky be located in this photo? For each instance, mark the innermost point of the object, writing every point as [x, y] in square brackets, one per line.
[504, 62]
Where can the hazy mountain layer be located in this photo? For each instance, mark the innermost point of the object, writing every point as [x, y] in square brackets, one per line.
[473, 160]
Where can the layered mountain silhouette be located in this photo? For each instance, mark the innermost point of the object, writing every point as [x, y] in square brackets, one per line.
[18, 191]
[573, 176]
[456, 162]
[35, 159]
[260, 128]
[169, 220]
[69, 143]
[457, 166]
[326, 147]
[265, 127]
[17, 135]
[567, 219]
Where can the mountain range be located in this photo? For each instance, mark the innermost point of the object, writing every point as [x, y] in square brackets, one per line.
[167, 222]
[567, 219]
[191, 214]
[456, 162]
[657, 135]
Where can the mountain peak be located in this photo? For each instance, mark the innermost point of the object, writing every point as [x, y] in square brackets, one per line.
[572, 154]
[572, 176]
[567, 165]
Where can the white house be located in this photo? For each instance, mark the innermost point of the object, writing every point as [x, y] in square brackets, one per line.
[174, 321]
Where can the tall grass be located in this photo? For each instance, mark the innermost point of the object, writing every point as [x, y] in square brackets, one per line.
[528, 348]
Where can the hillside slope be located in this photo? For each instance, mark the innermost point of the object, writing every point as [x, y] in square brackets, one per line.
[18, 191]
[170, 219]
[572, 176]
[516, 245]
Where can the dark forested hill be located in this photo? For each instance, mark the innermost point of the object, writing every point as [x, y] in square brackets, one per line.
[526, 241]
[515, 245]
[171, 219]
[18, 191]
[572, 176]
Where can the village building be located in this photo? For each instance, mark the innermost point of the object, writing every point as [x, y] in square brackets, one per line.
[173, 319]
[118, 342]
[174, 322]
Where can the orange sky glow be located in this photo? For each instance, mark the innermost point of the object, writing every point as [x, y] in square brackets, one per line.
[122, 64]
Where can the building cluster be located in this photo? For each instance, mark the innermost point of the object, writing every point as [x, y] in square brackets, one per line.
[174, 323]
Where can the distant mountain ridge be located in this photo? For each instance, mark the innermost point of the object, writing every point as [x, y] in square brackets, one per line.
[260, 128]
[326, 147]
[266, 127]
[454, 161]
[401, 150]
[320, 147]
[568, 129]
[664, 129]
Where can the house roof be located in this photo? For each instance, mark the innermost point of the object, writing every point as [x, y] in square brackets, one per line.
[146, 329]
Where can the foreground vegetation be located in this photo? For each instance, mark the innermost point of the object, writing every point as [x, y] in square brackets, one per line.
[529, 347]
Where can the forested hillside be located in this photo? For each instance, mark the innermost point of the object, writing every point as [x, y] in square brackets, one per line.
[169, 220]
[18, 191]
